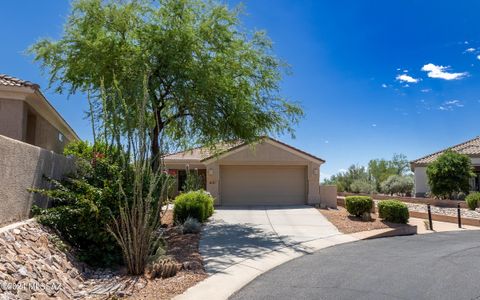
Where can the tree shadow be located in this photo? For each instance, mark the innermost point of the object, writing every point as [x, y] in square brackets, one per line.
[225, 244]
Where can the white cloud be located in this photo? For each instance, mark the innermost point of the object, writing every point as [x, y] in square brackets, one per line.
[384, 85]
[478, 56]
[405, 71]
[406, 78]
[342, 170]
[450, 105]
[435, 71]
[426, 90]
[470, 50]
[374, 125]
[326, 141]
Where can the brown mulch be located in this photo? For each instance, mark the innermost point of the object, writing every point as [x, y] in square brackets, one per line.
[184, 248]
[350, 224]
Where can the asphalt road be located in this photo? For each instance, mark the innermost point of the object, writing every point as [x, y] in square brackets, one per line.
[430, 266]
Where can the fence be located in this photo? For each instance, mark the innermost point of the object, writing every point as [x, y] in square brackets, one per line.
[23, 166]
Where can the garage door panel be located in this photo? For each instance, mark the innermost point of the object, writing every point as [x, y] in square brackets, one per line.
[263, 185]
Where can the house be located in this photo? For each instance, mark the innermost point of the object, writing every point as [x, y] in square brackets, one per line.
[470, 148]
[27, 116]
[265, 173]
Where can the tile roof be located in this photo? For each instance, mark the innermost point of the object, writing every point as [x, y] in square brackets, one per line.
[470, 148]
[6, 80]
[202, 153]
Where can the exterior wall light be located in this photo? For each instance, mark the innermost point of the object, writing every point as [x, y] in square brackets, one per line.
[315, 171]
[210, 171]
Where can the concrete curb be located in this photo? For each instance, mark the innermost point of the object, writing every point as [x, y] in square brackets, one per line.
[222, 285]
[386, 232]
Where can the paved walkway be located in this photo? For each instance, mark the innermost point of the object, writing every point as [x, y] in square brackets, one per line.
[240, 243]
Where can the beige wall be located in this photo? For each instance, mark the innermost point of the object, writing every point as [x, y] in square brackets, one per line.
[22, 166]
[328, 196]
[12, 118]
[263, 153]
[14, 121]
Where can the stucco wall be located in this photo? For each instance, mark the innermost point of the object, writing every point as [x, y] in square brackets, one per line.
[328, 196]
[12, 119]
[263, 154]
[13, 124]
[421, 182]
[22, 166]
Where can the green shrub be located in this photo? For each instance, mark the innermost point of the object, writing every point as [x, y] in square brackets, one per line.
[472, 200]
[362, 186]
[83, 203]
[196, 204]
[393, 211]
[357, 205]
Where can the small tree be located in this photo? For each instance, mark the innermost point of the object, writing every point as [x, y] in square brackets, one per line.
[450, 174]
[396, 184]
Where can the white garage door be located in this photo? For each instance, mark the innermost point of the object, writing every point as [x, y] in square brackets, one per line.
[263, 185]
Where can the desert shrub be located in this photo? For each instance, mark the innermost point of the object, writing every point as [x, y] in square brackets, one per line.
[196, 204]
[472, 200]
[357, 205]
[393, 211]
[450, 174]
[397, 184]
[362, 186]
[191, 225]
[86, 201]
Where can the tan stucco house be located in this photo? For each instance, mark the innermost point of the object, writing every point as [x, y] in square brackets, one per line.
[470, 148]
[27, 116]
[265, 173]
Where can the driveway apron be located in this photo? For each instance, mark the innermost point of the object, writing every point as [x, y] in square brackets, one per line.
[236, 234]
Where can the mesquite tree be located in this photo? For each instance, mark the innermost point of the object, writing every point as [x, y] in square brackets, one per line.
[208, 79]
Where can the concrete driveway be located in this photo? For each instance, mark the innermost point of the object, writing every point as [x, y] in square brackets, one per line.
[433, 266]
[236, 234]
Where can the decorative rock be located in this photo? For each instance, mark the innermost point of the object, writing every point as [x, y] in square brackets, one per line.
[366, 217]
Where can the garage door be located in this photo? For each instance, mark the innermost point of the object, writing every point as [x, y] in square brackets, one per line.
[263, 185]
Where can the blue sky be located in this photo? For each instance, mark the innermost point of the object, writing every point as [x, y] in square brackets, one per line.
[374, 77]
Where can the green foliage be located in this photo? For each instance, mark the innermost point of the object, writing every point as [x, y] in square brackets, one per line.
[344, 180]
[196, 204]
[357, 205]
[194, 181]
[393, 211]
[362, 186]
[381, 169]
[472, 200]
[450, 174]
[82, 205]
[397, 184]
[208, 80]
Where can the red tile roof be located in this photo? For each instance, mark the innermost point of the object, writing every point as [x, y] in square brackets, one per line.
[470, 148]
[6, 80]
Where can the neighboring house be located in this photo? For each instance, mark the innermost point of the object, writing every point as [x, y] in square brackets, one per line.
[470, 148]
[27, 116]
[266, 173]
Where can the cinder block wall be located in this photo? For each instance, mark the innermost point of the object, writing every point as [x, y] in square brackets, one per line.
[22, 166]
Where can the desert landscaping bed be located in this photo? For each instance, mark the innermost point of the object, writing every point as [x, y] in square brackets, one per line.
[30, 259]
[350, 224]
[184, 248]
